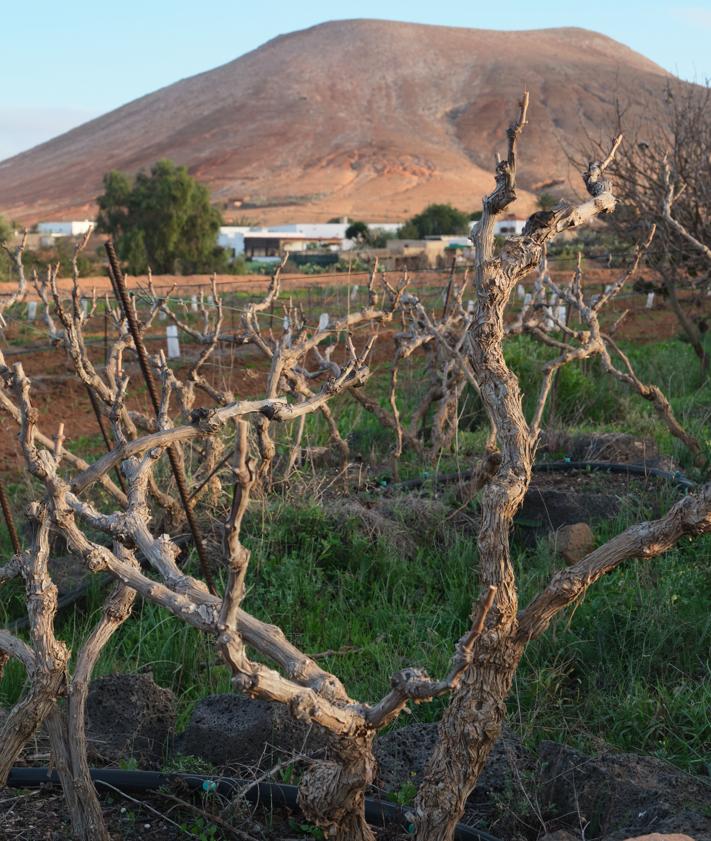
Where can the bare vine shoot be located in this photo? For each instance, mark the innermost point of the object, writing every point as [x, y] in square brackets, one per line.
[189, 420]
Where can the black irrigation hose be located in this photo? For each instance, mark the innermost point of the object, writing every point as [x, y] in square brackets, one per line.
[677, 478]
[377, 812]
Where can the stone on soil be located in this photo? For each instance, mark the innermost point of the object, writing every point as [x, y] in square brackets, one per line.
[573, 542]
[237, 732]
[129, 717]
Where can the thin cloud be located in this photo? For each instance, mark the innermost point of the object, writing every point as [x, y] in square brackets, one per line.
[697, 15]
[21, 128]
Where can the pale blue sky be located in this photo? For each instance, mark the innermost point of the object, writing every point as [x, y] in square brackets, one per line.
[61, 64]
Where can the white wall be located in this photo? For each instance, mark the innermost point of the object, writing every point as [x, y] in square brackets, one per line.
[509, 226]
[327, 230]
[65, 229]
[387, 227]
[231, 238]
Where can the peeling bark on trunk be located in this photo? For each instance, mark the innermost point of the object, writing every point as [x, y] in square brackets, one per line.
[472, 722]
[332, 793]
[467, 733]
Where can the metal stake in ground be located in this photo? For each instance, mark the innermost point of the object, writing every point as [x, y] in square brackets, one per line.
[7, 513]
[122, 294]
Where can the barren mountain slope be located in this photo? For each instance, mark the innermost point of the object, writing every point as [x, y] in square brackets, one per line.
[372, 119]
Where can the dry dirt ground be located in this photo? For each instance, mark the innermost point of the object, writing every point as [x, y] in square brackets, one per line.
[227, 283]
[41, 815]
[59, 396]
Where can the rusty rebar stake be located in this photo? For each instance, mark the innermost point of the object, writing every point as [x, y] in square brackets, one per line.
[119, 283]
[7, 513]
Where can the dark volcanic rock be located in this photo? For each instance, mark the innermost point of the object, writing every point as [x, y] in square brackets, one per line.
[620, 795]
[129, 716]
[403, 753]
[547, 509]
[231, 730]
[617, 447]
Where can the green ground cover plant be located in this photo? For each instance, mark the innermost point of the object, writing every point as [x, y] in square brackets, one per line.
[629, 667]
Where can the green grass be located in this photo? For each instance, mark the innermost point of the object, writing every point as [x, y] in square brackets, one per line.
[628, 667]
[631, 665]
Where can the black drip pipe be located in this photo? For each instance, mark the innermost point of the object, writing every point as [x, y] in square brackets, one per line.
[677, 478]
[268, 794]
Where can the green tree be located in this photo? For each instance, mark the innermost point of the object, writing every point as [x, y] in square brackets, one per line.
[6, 234]
[163, 220]
[547, 201]
[6, 230]
[435, 219]
[358, 231]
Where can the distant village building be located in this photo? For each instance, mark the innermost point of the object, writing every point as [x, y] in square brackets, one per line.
[509, 225]
[261, 243]
[64, 229]
[431, 252]
[269, 242]
[314, 230]
[385, 227]
[231, 238]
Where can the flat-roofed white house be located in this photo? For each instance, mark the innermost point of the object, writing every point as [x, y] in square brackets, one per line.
[326, 230]
[74, 228]
[269, 241]
[509, 225]
[385, 227]
[273, 240]
[231, 238]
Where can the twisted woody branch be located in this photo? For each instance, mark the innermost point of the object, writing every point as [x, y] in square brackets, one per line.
[332, 793]
[485, 659]
[472, 722]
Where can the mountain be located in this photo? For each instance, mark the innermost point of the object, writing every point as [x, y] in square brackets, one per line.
[371, 119]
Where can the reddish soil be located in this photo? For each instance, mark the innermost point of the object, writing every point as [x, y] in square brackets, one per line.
[60, 397]
[194, 283]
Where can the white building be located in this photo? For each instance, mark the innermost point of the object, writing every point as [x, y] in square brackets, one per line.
[231, 238]
[270, 243]
[313, 230]
[65, 229]
[385, 227]
[269, 240]
[510, 225]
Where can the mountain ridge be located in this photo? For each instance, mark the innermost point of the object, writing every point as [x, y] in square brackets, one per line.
[360, 117]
